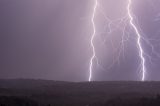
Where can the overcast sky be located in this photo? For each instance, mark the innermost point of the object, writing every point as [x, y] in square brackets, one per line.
[50, 39]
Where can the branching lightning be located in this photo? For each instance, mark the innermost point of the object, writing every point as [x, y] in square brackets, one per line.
[141, 52]
[123, 25]
[92, 41]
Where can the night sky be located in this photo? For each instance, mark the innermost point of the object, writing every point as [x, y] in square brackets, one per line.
[50, 39]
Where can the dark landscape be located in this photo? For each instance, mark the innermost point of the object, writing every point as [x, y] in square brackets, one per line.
[28, 92]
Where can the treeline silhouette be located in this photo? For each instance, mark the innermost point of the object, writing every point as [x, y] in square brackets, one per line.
[16, 101]
[23, 92]
[120, 101]
[144, 101]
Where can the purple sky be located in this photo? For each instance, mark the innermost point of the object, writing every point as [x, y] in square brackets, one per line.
[50, 39]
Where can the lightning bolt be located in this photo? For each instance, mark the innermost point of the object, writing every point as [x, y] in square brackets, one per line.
[92, 41]
[110, 22]
[123, 24]
[141, 52]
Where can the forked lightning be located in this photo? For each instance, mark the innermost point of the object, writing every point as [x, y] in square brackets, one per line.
[123, 24]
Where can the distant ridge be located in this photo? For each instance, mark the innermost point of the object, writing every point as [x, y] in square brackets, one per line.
[57, 92]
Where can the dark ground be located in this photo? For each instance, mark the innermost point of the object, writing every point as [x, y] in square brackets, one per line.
[25, 92]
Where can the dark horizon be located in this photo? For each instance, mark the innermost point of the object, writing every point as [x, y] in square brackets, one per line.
[38, 79]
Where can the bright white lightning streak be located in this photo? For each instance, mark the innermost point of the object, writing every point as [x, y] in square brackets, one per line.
[141, 52]
[92, 44]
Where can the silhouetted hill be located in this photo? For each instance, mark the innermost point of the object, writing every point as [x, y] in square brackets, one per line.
[57, 93]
